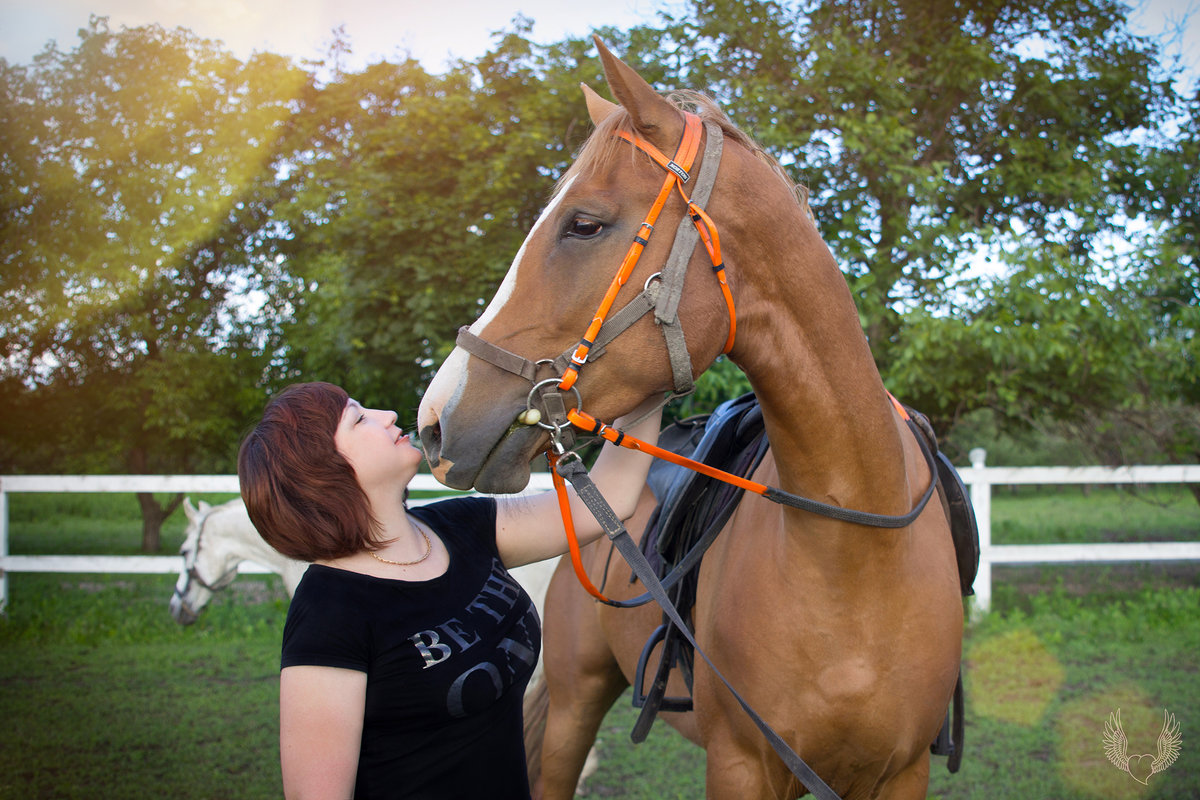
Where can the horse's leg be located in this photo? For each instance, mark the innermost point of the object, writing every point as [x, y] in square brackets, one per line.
[734, 771]
[910, 784]
[583, 680]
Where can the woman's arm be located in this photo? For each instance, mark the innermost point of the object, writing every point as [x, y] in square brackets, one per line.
[320, 731]
[530, 528]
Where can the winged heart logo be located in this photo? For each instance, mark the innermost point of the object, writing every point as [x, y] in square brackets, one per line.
[1141, 767]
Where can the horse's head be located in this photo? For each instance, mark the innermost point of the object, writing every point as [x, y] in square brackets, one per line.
[207, 565]
[470, 419]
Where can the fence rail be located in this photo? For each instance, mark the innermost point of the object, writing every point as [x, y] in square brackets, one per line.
[979, 477]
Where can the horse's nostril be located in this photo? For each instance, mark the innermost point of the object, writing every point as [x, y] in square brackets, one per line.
[431, 443]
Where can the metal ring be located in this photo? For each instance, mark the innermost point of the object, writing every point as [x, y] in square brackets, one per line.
[555, 381]
[655, 276]
[567, 457]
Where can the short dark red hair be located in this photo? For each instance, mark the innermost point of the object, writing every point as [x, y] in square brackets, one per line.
[301, 494]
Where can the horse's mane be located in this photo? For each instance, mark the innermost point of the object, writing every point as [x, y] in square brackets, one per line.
[598, 152]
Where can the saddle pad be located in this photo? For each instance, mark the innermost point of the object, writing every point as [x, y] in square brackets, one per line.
[956, 502]
[963, 525]
[691, 505]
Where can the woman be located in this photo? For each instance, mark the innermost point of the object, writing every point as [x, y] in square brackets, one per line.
[407, 645]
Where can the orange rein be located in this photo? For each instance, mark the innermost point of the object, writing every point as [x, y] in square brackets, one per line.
[589, 423]
[610, 434]
[677, 174]
[564, 506]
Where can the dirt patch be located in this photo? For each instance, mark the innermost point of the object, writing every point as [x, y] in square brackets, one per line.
[1078, 580]
[92, 587]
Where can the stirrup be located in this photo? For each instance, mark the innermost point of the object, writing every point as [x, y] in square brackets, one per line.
[949, 741]
[655, 700]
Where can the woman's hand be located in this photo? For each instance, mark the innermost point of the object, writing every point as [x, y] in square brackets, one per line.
[530, 528]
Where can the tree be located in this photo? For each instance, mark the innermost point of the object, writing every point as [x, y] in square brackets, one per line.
[1105, 350]
[138, 175]
[929, 133]
[414, 196]
[925, 130]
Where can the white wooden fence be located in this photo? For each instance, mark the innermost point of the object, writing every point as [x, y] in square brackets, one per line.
[981, 479]
[978, 477]
[135, 483]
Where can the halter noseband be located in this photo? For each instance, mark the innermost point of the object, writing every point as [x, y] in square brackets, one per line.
[661, 293]
[192, 568]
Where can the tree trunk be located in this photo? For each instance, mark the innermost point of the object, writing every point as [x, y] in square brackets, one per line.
[153, 515]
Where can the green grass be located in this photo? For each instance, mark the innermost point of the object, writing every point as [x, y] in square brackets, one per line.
[1042, 684]
[1073, 514]
[86, 523]
[1040, 687]
[104, 696]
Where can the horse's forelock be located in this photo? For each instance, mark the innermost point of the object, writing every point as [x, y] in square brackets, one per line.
[599, 149]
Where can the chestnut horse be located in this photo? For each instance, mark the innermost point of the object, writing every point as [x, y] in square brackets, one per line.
[845, 638]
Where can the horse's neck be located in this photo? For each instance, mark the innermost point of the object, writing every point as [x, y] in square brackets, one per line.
[831, 426]
[246, 543]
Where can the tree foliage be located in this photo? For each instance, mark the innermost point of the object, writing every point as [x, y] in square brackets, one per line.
[138, 177]
[415, 195]
[925, 129]
[183, 231]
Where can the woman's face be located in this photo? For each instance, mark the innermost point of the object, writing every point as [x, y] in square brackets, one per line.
[380, 453]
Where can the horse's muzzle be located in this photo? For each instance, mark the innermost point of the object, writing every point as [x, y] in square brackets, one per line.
[181, 612]
[492, 465]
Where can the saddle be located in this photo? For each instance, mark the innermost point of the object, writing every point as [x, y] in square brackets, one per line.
[956, 502]
[692, 510]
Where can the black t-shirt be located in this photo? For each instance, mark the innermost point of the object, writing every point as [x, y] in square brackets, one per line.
[447, 662]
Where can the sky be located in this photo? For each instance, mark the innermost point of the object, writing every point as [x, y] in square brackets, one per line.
[433, 31]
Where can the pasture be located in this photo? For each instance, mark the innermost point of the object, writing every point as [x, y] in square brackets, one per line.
[102, 695]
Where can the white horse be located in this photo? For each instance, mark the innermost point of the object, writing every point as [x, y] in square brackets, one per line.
[218, 539]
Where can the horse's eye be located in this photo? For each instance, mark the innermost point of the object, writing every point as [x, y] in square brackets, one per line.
[584, 228]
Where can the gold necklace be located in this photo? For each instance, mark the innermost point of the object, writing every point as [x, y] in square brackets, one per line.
[428, 550]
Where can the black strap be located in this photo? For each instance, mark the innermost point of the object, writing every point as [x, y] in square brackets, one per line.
[864, 517]
[574, 471]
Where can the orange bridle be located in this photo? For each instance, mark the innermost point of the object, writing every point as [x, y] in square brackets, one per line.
[678, 174]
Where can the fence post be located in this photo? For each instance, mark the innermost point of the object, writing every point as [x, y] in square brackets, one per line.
[3, 548]
[981, 499]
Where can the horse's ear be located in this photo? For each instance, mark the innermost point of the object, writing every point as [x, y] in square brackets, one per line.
[598, 108]
[204, 507]
[653, 116]
[188, 508]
